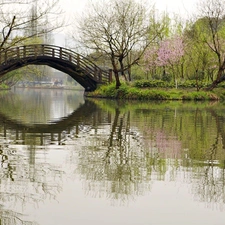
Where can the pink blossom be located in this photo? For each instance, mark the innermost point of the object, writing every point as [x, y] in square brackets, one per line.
[170, 51]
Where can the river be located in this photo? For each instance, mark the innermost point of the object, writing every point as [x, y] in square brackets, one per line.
[65, 159]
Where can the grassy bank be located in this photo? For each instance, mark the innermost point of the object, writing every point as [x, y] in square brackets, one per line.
[134, 93]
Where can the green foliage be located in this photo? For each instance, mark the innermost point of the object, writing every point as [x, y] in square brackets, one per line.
[154, 94]
[152, 84]
[219, 92]
[107, 90]
[134, 93]
[165, 84]
[198, 95]
[3, 86]
[167, 77]
[192, 84]
[137, 73]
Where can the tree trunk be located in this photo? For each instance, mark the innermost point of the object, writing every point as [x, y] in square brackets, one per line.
[117, 79]
[122, 68]
[219, 79]
[129, 73]
[116, 73]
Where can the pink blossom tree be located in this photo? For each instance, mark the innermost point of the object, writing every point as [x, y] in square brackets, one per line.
[168, 54]
[150, 59]
[170, 51]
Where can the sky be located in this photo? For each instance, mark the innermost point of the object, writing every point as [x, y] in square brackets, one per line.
[177, 6]
[185, 8]
[182, 7]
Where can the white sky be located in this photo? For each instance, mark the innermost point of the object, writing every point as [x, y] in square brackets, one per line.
[182, 7]
[177, 6]
[185, 8]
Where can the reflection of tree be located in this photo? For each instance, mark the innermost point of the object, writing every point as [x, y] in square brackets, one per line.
[116, 164]
[210, 183]
[210, 187]
[24, 181]
[12, 218]
[27, 176]
[122, 149]
[173, 141]
[199, 150]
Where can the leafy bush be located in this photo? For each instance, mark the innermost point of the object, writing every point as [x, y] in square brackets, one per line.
[151, 84]
[191, 84]
[4, 86]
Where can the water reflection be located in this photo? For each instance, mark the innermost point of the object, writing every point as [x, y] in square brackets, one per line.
[28, 175]
[39, 106]
[160, 142]
[118, 150]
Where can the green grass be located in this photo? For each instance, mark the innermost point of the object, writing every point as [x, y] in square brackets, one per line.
[134, 93]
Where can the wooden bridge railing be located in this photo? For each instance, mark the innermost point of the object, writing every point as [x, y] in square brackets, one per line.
[36, 50]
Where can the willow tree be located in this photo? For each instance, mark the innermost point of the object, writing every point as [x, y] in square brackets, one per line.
[212, 34]
[200, 60]
[119, 30]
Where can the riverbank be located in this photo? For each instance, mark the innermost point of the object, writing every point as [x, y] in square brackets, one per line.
[133, 93]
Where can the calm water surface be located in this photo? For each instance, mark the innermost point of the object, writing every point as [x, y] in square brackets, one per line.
[68, 160]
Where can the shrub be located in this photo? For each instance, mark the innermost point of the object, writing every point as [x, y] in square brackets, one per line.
[191, 84]
[4, 86]
[150, 83]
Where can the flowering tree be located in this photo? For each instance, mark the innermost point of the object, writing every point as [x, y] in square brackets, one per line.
[170, 51]
[168, 54]
[150, 58]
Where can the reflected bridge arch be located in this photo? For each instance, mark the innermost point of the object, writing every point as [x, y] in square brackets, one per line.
[79, 121]
[76, 118]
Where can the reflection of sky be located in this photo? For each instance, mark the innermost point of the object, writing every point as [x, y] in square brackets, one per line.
[41, 106]
[163, 206]
[83, 180]
[67, 202]
[59, 109]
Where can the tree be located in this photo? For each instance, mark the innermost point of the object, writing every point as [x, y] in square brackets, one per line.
[200, 63]
[120, 30]
[167, 50]
[212, 34]
[24, 22]
[17, 21]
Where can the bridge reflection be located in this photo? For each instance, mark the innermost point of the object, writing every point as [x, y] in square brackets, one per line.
[113, 159]
[58, 131]
[26, 176]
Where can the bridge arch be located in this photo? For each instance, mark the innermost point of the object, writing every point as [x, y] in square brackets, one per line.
[85, 72]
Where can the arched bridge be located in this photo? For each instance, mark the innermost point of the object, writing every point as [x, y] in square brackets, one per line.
[85, 72]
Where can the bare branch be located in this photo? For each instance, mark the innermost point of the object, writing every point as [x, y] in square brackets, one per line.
[118, 29]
